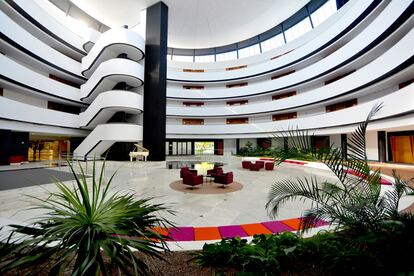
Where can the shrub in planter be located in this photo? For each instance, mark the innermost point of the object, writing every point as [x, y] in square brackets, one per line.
[85, 225]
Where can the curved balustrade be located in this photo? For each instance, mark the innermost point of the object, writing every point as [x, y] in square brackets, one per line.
[28, 80]
[104, 136]
[110, 45]
[17, 37]
[108, 74]
[107, 104]
[391, 62]
[45, 27]
[402, 98]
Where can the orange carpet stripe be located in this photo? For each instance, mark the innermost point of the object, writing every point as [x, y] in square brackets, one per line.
[255, 229]
[294, 223]
[206, 233]
[161, 230]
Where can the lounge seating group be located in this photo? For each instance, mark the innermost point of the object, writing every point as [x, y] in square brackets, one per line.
[191, 178]
[259, 163]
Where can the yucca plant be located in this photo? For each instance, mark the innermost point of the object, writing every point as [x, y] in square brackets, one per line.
[90, 228]
[354, 200]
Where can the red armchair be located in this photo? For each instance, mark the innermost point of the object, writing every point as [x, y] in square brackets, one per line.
[192, 180]
[255, 167]
[186, 170]
[225, 179]
[215, 171]
[246, 164]
[269, 166]
[261, 163]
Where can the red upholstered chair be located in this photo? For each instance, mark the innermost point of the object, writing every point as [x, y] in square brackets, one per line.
[192, 180]
[246, 164]
[225, 178]
[215, 171]
[255, 167]
[261, 163]
[186, 170]
[269, 166]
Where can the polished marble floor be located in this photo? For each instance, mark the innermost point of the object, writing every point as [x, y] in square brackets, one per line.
[153, 180]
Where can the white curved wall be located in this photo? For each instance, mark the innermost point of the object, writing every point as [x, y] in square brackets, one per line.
[110, 44]
[109, 73]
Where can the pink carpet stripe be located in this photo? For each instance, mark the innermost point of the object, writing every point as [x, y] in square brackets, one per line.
[276, 226]
[232, 231]
[182, 234]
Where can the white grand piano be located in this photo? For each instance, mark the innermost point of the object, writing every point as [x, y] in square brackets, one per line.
[137, 152]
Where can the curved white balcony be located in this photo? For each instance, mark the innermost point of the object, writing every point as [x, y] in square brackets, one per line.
[103, 136]
[345, 55]
[111, 44]
[303, 47]
[399, 103]
[107, 104]
[35, 49]
[28, 80]
[21, 112]
[108, 74]
[42, 25]
[387, 63]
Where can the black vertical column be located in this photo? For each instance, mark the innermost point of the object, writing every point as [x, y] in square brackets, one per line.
[382, 152]
[5, 142]
[344, 146]
[155, 81]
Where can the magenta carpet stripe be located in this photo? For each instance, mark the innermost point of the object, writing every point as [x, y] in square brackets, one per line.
[181, 234]
[232, 231]
[277, 226]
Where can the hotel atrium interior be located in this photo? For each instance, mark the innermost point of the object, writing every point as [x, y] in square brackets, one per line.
[227, 113]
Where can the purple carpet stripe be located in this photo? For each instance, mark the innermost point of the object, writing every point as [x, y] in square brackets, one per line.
[277, 226]
[182, 234]
[232, 231]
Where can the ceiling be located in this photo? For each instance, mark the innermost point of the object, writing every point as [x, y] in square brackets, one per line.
[199, 23]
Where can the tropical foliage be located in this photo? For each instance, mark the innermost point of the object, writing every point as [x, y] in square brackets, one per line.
[354, 200]
[90, 228]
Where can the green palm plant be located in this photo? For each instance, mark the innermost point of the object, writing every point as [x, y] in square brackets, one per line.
[84, 227]
[354, 201]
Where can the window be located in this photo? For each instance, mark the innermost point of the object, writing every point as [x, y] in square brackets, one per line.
[238, 102]
[299, 29]
[63, 107]
[193, 87]
[193, 103]
[284, 95]
[275, 57]
[249, 51]
[194, 70]
[341, 105]
[237, 121]
[207, 58]
[272, 43]
[182, 58]
[404, 84]
[193, 121]
[169, 57]
[68, 82]
[323, 13]
[227, 56]
[338, 77]
[236, 85]
[1, 91]
[236, 67]
[285, 116]
[282, 75]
